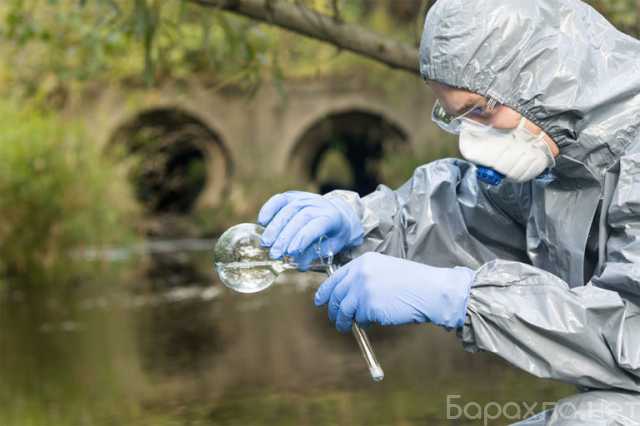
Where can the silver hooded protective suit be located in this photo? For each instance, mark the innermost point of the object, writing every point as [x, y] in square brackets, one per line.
[557, 288]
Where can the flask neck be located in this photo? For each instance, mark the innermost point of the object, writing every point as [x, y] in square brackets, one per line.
[322, 265]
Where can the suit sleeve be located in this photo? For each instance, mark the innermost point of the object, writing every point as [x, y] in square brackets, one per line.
[589, 335]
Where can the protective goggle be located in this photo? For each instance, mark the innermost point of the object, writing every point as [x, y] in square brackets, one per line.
[451, 124]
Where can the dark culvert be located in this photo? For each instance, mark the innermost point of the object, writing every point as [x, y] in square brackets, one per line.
[344, 150]
[169, 164]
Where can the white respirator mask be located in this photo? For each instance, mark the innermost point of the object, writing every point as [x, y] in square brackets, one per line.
[516, 153]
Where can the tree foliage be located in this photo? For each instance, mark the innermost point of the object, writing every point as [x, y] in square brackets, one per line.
[74, 40]
[48, 42]
[151, 40]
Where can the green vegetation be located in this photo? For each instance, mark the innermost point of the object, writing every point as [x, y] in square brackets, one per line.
[57, 193]
[60, 43]
[625, 14]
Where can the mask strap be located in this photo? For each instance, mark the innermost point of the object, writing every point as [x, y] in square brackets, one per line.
[539, 137]
[523, 122]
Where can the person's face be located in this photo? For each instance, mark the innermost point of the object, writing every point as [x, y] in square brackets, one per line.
[457, 102]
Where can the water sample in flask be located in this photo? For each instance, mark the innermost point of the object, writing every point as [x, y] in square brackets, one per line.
[242, 263]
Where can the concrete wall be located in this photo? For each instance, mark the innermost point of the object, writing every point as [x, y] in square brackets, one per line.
[258, 134]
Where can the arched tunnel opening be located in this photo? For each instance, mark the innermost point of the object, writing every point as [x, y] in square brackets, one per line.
[344, 150]
[170, 156]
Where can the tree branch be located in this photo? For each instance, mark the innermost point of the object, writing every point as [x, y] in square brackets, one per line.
[302, 20]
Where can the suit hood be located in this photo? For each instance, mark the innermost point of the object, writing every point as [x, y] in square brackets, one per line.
[557, 62]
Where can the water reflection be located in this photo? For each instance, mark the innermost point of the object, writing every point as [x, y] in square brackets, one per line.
[156, 349]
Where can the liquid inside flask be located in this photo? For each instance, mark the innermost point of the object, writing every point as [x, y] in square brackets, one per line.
[242, 263]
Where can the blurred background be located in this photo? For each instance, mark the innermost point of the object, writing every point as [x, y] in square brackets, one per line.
[132, 133]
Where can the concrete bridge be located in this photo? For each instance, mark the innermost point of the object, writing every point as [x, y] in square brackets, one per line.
[239, 138]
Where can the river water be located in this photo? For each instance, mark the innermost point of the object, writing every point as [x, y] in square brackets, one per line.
[157, 340]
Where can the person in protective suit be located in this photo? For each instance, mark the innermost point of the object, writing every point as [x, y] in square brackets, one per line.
[542, 269]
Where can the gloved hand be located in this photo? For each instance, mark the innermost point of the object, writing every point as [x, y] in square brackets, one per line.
[295, 221]
[375, 288]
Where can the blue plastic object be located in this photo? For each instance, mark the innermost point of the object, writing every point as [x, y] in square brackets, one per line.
[376, 288]
[489, 176]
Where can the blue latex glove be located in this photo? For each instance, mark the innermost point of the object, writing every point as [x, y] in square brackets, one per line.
[376, 288]
[295, 221]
